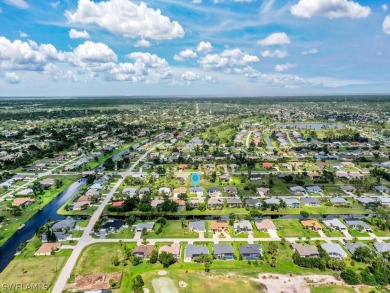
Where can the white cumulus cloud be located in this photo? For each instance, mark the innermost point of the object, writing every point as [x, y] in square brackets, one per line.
[277, 53]
[91, 52]
[386, 25]
[227, 60]
[384, 7]
[25, 55]
[329, 8]
[275, 39]
[204, 47]
[75, 34]
[125, 18]
[310, 52]
[184, 55]
[284, 67]
[142, 43]
[189, 76]
[18, 3]
[12, 77]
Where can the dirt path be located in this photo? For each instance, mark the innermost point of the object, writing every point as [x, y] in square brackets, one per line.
[277, 283]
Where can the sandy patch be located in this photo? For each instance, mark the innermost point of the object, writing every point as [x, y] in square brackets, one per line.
[164, 285]
[162, 273]
[146, 290]
[273, 283]
[182, 284]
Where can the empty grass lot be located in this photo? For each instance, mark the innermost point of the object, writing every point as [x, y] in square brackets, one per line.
[173, 229]
[292, 228]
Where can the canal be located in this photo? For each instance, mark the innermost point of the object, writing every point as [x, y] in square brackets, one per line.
[8, 250]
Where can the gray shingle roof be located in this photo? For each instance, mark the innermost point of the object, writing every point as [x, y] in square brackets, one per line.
[223, 249]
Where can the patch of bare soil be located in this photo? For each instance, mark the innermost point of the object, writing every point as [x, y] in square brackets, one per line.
[94, 282]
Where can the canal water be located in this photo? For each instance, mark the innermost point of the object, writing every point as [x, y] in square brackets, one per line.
[8, 250]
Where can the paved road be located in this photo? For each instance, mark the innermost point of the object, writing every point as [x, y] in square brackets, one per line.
[289, 139]
[248, 139]
[86, 239]
[33, 178]
[269, 143]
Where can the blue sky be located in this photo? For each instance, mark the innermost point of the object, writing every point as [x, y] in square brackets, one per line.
[194, 47]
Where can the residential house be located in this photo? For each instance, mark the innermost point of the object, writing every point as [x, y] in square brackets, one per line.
[143, 251]
[242, 226]
[225, 177]
[358, 225]
[215, 203]
[174, 249]
[334, 250]
[310, 201]
[234, 202]
[181, 204]
[197, 226]
[143, 191]
[164, 190]
[148, 226]
[381, 188]
[382, 247]
[384, 200]
[347, 188]
[366, 201]
[292, 202]
[272, 201]
[193, 251]
[314, 189]
[47, 183]
[352, 246]
[223, 251]
[265, 225]
[25, 192]
[231, 190]
[339, 201]
[213, 191]
[68, 223]
[117, 204]
[22, 201]
[252, 202]
[334, 224]
[196, 190]
[262, 191]
[130, 191]
[156, 202]
[250, 251]
[311, 224]
[306, 251]
[219, 226]
[112, 226]
[47, 249]
[179, 190]
[298, 190]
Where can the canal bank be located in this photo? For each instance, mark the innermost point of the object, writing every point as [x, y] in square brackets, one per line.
[49, 212]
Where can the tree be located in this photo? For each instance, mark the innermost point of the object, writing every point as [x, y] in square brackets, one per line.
[37, 188]
[350, 277]
[272, 248]
[166, 259]
[115, 261]
[153, 257]
[363, 254]
[138, 284]
[304, 214]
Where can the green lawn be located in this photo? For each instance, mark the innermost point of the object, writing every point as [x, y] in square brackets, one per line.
[292, 228]
[28, 269]
[332, 289]
[122, 234]
[173, 229]
[11, 222]
[96, 258]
